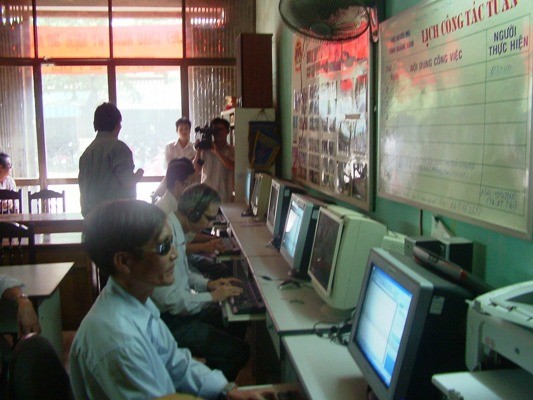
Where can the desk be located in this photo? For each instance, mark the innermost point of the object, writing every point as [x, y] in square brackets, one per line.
[48, 223]
[290, 312]
[78, 289]
[325, 369]
[41, 283]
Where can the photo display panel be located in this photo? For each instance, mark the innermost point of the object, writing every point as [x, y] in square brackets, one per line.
[455, 111]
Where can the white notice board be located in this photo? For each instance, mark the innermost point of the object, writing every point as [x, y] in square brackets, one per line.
[455, 111]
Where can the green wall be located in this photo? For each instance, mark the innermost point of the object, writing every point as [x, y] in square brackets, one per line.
[499, 259]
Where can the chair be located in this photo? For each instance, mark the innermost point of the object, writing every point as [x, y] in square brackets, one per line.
[47, 201]
[11, 201]
[36, 371]
[12, 251]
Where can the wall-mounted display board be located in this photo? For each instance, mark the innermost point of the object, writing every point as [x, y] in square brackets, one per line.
[455, 106]
[331, 145]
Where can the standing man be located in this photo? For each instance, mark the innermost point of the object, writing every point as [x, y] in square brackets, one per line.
[106, 166]
[218, 162]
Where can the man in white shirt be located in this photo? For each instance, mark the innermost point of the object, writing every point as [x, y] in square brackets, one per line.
[190, 306]
[122, 349]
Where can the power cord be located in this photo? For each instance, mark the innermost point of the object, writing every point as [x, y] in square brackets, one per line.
[336, 332]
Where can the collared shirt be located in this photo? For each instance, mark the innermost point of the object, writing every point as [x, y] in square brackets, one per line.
[167, 203]
[6, 282]
[174, 150]
[106, 172]
[123, 350]
[188, 294]
[8, 183]
[216, 175]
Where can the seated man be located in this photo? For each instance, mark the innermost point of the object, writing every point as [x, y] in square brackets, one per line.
[190, 306]
[122, 349]
[27, 319]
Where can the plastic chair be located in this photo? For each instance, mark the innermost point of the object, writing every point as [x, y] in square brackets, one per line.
[12, 251]
[47, 201]
[10, 201]
[36, 371]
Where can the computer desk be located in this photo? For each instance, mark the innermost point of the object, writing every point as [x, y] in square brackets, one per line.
[41, 284]
[291, 313]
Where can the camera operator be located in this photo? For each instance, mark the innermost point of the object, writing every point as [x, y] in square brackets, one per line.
[217, 160]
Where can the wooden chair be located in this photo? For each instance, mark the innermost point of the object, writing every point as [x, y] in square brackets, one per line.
[47, 201]
[12, 251]
[10, 201]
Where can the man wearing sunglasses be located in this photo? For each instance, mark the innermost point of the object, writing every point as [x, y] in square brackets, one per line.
[122, 349]
[190, 306]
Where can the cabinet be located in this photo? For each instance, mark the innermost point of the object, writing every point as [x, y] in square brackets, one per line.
[254, 70]
[239, 119]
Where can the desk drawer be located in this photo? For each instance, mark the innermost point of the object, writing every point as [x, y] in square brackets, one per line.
[271, 329]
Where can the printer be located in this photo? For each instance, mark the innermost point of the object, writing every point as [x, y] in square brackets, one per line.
[500, 323]
[499, 348]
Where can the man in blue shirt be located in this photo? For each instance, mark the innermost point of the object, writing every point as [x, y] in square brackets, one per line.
[122, 349]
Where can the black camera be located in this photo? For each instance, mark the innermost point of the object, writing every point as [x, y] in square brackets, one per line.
[206, 140]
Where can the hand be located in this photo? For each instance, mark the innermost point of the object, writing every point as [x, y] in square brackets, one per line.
[28, 321]
[215, 245]
[224, 292]
[213, 285]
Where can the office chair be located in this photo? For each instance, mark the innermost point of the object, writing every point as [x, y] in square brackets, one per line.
[46, 201]
[10, 201]
[36, 371]
[13, 252]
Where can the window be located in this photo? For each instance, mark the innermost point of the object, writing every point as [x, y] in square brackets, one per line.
[141, 55]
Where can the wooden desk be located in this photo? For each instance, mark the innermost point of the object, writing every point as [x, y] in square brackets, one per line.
[325, 369]
[41, 283]
[78, 289]
[48, 223]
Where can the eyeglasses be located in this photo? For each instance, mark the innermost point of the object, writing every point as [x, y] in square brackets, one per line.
[162, 249]
[210, 218]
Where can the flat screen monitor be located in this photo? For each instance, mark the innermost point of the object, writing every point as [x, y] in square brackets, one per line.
[278, 206]
[343, 238]
[249, 185]
[409, 324]
[260, 195]
[298, 233]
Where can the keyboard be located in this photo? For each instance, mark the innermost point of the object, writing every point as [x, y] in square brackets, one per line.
[278, 391]
[250, 301]
[230, 246]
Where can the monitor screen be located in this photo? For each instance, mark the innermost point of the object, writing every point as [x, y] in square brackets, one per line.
[260, 195]
[272, 205]
[382, 322]
[343, 239]
[249, 185]
[298, 233]
[327, 237]
[409, 324]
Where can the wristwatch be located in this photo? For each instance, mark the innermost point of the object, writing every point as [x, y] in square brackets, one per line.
[226, 389]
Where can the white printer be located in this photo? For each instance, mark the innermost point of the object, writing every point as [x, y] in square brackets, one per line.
[499, 326]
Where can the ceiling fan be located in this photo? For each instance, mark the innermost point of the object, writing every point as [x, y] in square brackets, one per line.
[330, 20]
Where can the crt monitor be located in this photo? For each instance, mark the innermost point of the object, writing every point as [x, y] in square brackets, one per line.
[278, 205]
[343, 239]
[408, 325]
[260, 195]
[298, 233]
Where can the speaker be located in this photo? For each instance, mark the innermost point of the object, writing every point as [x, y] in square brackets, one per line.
[254, 70]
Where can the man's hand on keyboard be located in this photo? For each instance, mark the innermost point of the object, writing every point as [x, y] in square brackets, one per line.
[224, 288]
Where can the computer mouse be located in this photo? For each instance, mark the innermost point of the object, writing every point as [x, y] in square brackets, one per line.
[289, 284]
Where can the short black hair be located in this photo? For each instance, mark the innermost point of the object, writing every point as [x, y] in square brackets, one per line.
[184, 121]
[179, 169]
[219, 120]
[120, 225]
[3, 159]
[106, 117]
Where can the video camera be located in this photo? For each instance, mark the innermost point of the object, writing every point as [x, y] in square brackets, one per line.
[206, 140]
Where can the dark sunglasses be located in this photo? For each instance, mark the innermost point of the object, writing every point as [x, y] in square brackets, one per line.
[210, 218]
[162, 249]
